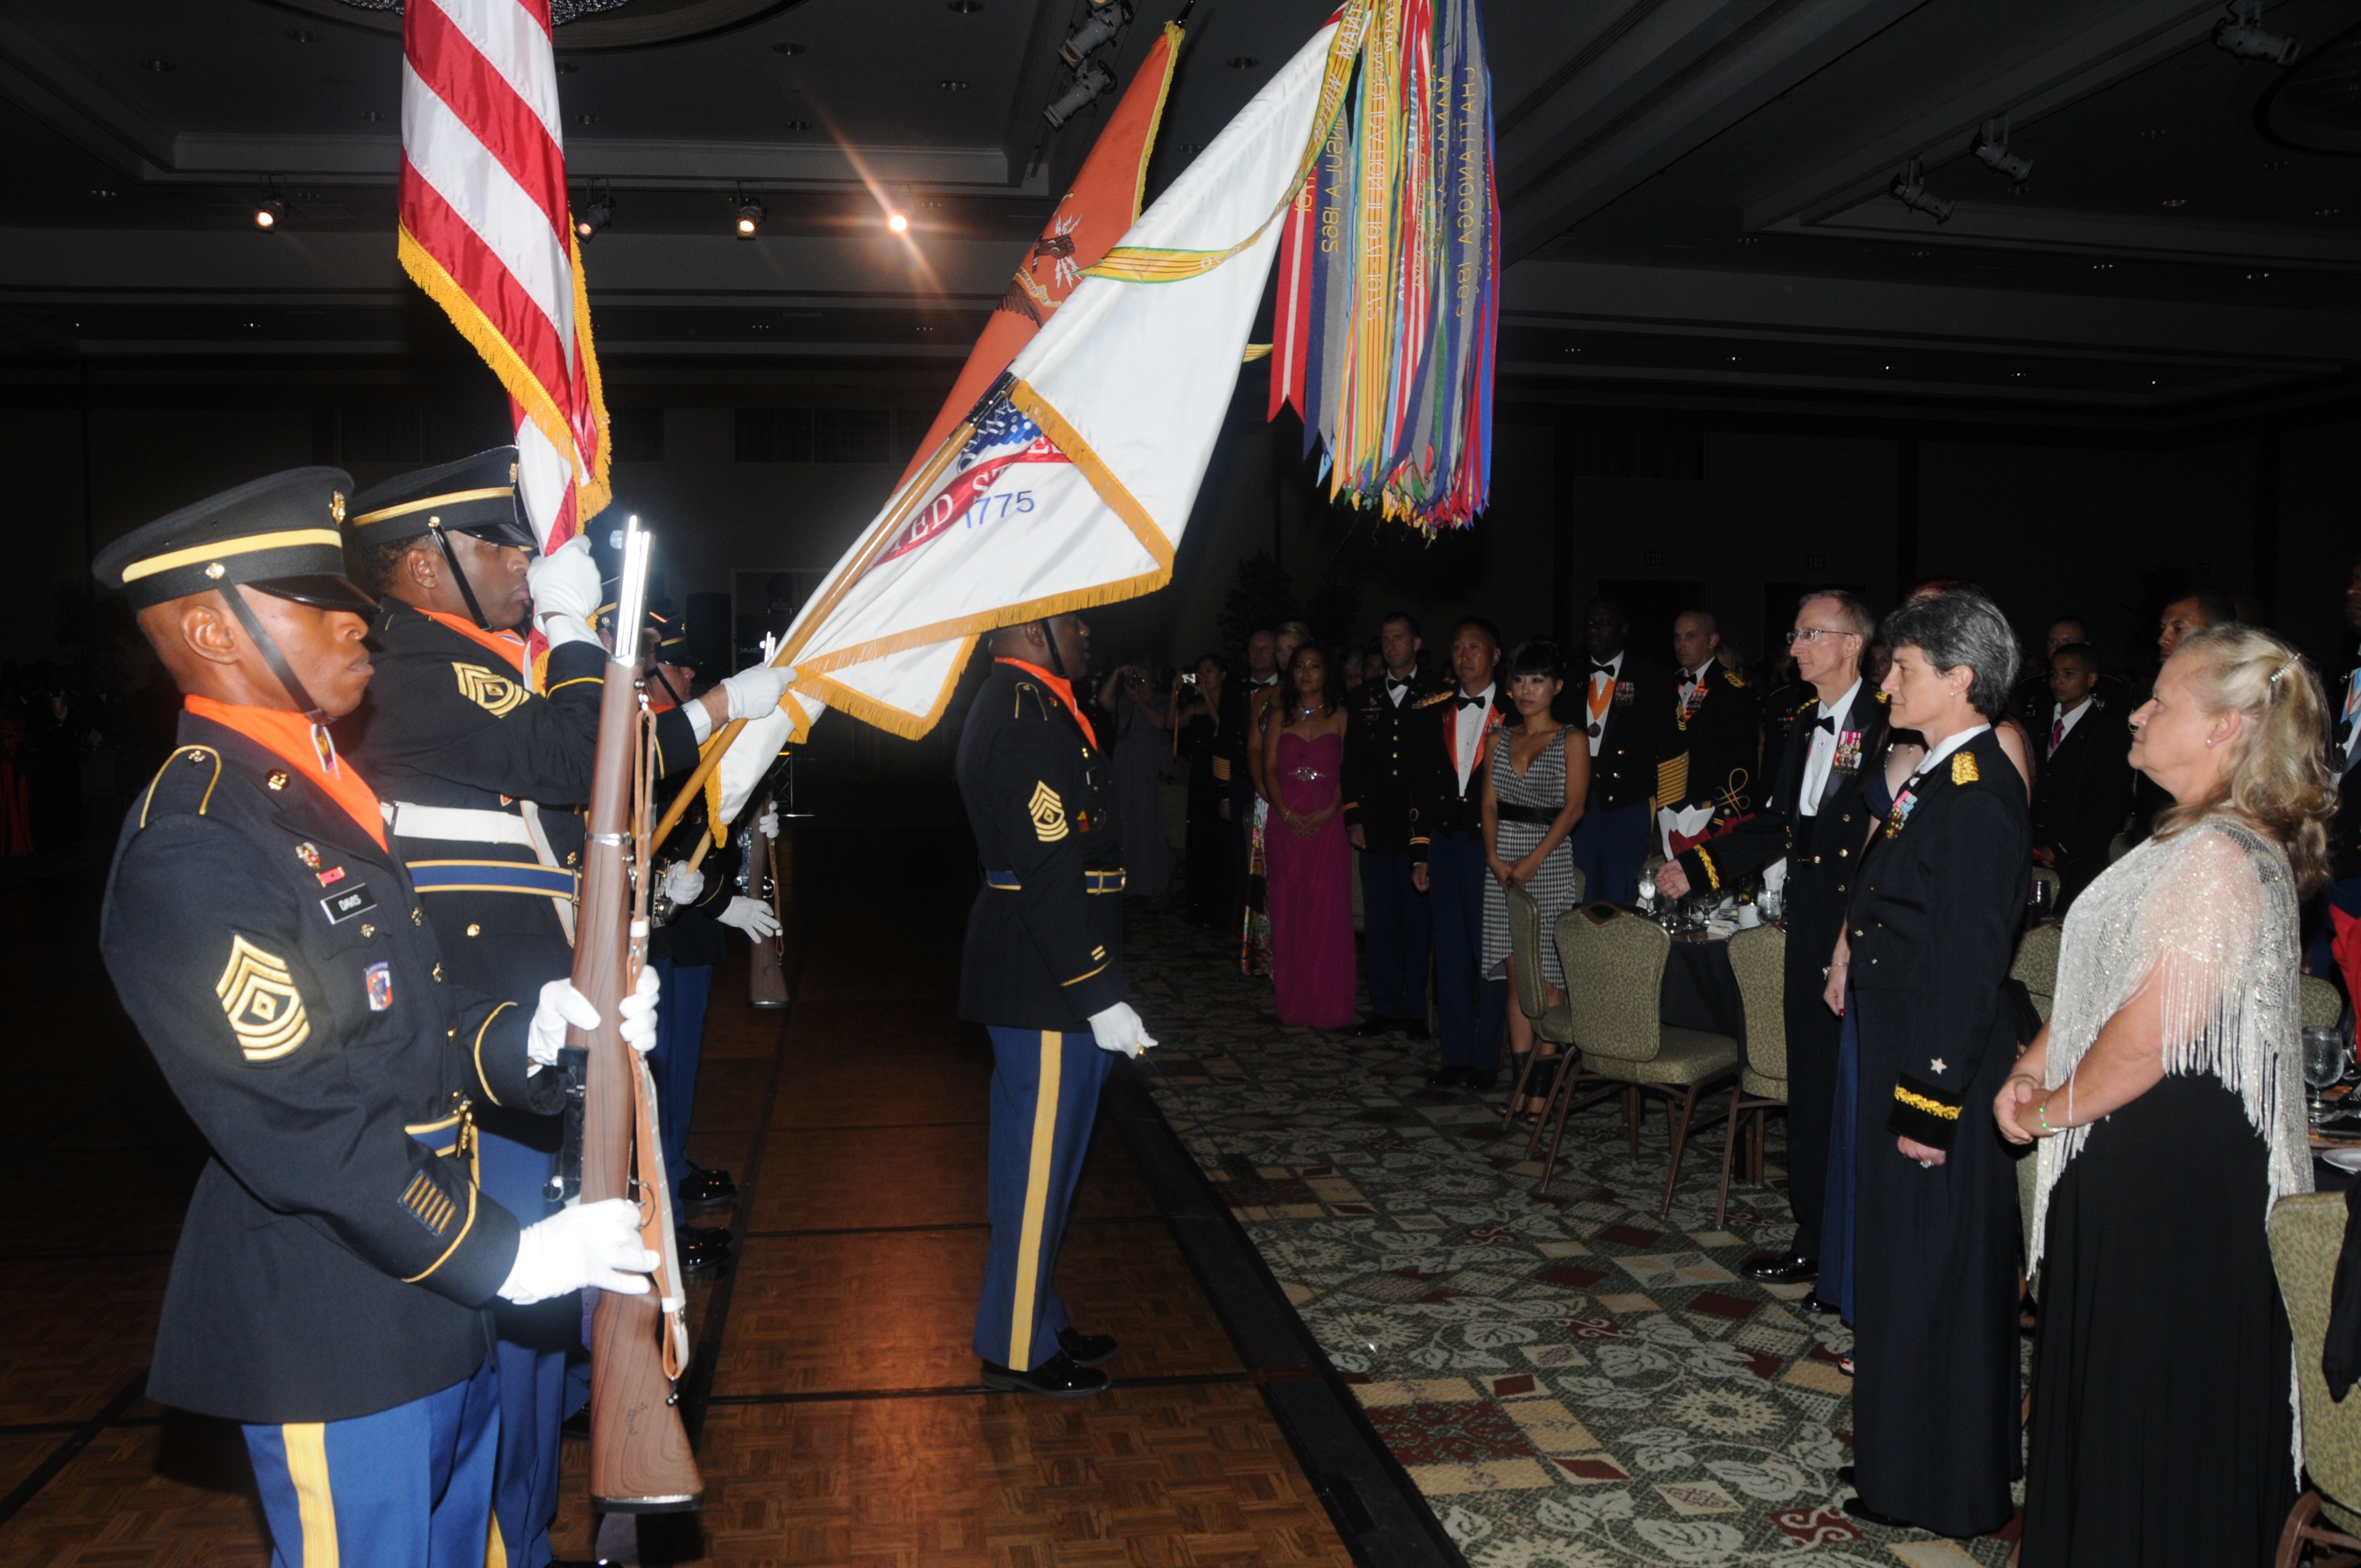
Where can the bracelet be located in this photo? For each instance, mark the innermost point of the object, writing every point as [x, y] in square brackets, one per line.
[2041, 1114]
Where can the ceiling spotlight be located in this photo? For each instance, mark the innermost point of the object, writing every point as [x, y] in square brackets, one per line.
[799, 124]
[1108, 17]
[787, 48]
[2240, 30]
[157, 66]
[898, 222]
[750, 217]
[303, 34]
[1091, 82]
[951, 85]
[594, 217]
[1991, 151]
[268, 212]
[1910, 190]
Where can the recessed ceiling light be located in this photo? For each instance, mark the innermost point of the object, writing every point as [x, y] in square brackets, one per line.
[2176, 200]
[2279, 163]
[567, 68]
[1922, 255]
[1242, 62]
[586, 119]
[967, 7]
[1886, 366]
[951, 85]
[787, 48]
[2325, 212]
[2153, 134]
[2103, 267]
[303, 34]
[924, 327]
[799, 124]
[1749, 239]
[371, 115]
[157, 66]
[101, 190]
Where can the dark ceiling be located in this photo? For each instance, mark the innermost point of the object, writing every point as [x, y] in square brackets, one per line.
[1695, 193]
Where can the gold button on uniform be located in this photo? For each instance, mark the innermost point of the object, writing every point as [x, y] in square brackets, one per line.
[368, 931]
[474, 929]
[438, 973]
[416, 919]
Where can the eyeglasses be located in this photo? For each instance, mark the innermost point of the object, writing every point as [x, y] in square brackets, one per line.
[1814, 634]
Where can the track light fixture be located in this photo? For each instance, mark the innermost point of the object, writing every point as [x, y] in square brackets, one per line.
[1992, 150]
[1091, 83]
[1910, 190]
[594, 217]
[269, 211]
[750, 217]
[1107, 19]
[2240, 30]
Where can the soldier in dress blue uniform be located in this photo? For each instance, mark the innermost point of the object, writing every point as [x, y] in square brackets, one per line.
[1042, 969]
[1714, 750]
[333, 1283]
[1384, 747]
[483, 778]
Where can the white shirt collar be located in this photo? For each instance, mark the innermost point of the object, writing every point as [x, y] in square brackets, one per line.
[1948, 747]
[2058, 712]
[1698, 673]
[1844, 703]
[1614, 666]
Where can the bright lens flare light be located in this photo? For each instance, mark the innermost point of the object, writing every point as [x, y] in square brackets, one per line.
[896, 222]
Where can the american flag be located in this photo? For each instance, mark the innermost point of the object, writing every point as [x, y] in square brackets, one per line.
[487, 231]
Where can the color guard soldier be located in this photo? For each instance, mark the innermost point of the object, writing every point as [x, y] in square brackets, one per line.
[1382, 752]
[1042, 969]
[1814, 817]
[482, 778]
[332, 1285]
[1714, 751]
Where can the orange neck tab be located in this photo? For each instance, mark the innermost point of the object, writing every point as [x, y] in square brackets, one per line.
[507, 644]
[305, 746]
[1065, 690]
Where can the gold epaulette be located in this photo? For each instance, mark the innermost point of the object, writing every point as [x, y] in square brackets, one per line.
[1963, 768]
[1734, 677]
[191, 757]
[1439, 696]
[1809, 703]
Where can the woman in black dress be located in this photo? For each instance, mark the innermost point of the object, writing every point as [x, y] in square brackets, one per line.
[2167, 1094]
[1196, 720]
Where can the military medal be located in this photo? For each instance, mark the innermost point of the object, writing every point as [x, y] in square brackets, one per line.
[1904, 805]
[1848, 754]
[1594, 729]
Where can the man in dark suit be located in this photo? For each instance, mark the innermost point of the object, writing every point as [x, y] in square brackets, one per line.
[1380, 774]
[1816, 817]
[1715, 749]
[1452, 728]
[2083, 784]
[2344, 892]
[1627, 712]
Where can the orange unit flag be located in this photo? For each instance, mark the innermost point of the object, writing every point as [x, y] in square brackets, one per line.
[1104, 203]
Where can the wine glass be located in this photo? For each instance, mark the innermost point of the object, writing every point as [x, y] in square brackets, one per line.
[2323, 1061]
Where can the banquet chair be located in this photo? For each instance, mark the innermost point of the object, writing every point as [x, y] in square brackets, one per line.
[1759, 958]
[2320, 1003]
[2034, 968]
[1614, 964]
[2306, 1232]
[1552, 1025]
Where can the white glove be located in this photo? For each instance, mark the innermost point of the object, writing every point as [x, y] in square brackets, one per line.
[767, 824]
[682, 883]
[562, 1004]
[565, 588]
[754, 692]
[590, 1244]
[750, 915]
[1118, 1028]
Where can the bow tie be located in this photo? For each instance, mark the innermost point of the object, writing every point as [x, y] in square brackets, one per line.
[1598, 669]
[1469, 701]
[1394, 686]
[1827, 721]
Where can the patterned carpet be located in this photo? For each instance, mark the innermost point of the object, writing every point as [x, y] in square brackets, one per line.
[1572, 1381]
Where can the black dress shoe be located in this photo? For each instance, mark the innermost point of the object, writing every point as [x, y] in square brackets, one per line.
[700, 1247]
[1376, 1023]
[1447, 1078]
[1812, 1303]
[1415, 1028]
[1478, 1081]
[1087, 1350]
[1774, 1270]
[1849, 1475]
[1059, 1377]
[701, 1187]
[1867, 1515]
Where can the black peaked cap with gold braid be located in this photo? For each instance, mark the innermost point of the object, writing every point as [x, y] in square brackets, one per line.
[476, 495]
[281, 534]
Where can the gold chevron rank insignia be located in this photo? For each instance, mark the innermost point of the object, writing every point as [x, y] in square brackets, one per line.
[1963, 769]
[496, 695]
[259, 998]
[1048, 813]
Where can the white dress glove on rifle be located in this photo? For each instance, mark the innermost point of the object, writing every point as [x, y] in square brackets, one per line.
[682, 883]
[592, 1243]
[767, 824]
[754, 693]
[1118, 1028]
[562, 1004]
[565, 588]
[750, 915]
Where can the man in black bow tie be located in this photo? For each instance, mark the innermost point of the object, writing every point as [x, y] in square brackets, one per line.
[1448, 847]
[1381, 754]
[1628, 714]
[1814, 817]
[1716, 749]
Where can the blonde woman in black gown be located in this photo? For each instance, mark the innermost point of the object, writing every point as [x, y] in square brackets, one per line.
[2167, 1095]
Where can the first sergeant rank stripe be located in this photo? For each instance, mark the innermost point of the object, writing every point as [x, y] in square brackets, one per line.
[259, 997]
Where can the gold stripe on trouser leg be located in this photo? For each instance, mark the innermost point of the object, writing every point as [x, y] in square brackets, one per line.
[1037, 1201]
[307, 1467]
[496, 1551]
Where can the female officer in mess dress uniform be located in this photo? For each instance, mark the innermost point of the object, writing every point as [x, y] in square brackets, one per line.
[1928, 941]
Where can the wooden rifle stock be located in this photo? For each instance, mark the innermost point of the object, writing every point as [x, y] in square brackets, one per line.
[639, 1460]
[766, 975]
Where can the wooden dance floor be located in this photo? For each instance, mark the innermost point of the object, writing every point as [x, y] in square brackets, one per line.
[834, 1398]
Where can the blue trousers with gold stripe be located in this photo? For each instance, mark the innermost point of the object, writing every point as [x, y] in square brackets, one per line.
[1045, 1095]
[408, 1487]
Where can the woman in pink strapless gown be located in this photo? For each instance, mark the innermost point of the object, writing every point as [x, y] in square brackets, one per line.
[1311, 881]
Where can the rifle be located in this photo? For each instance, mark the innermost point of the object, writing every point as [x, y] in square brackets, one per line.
[766, 977]
[640, 1461]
